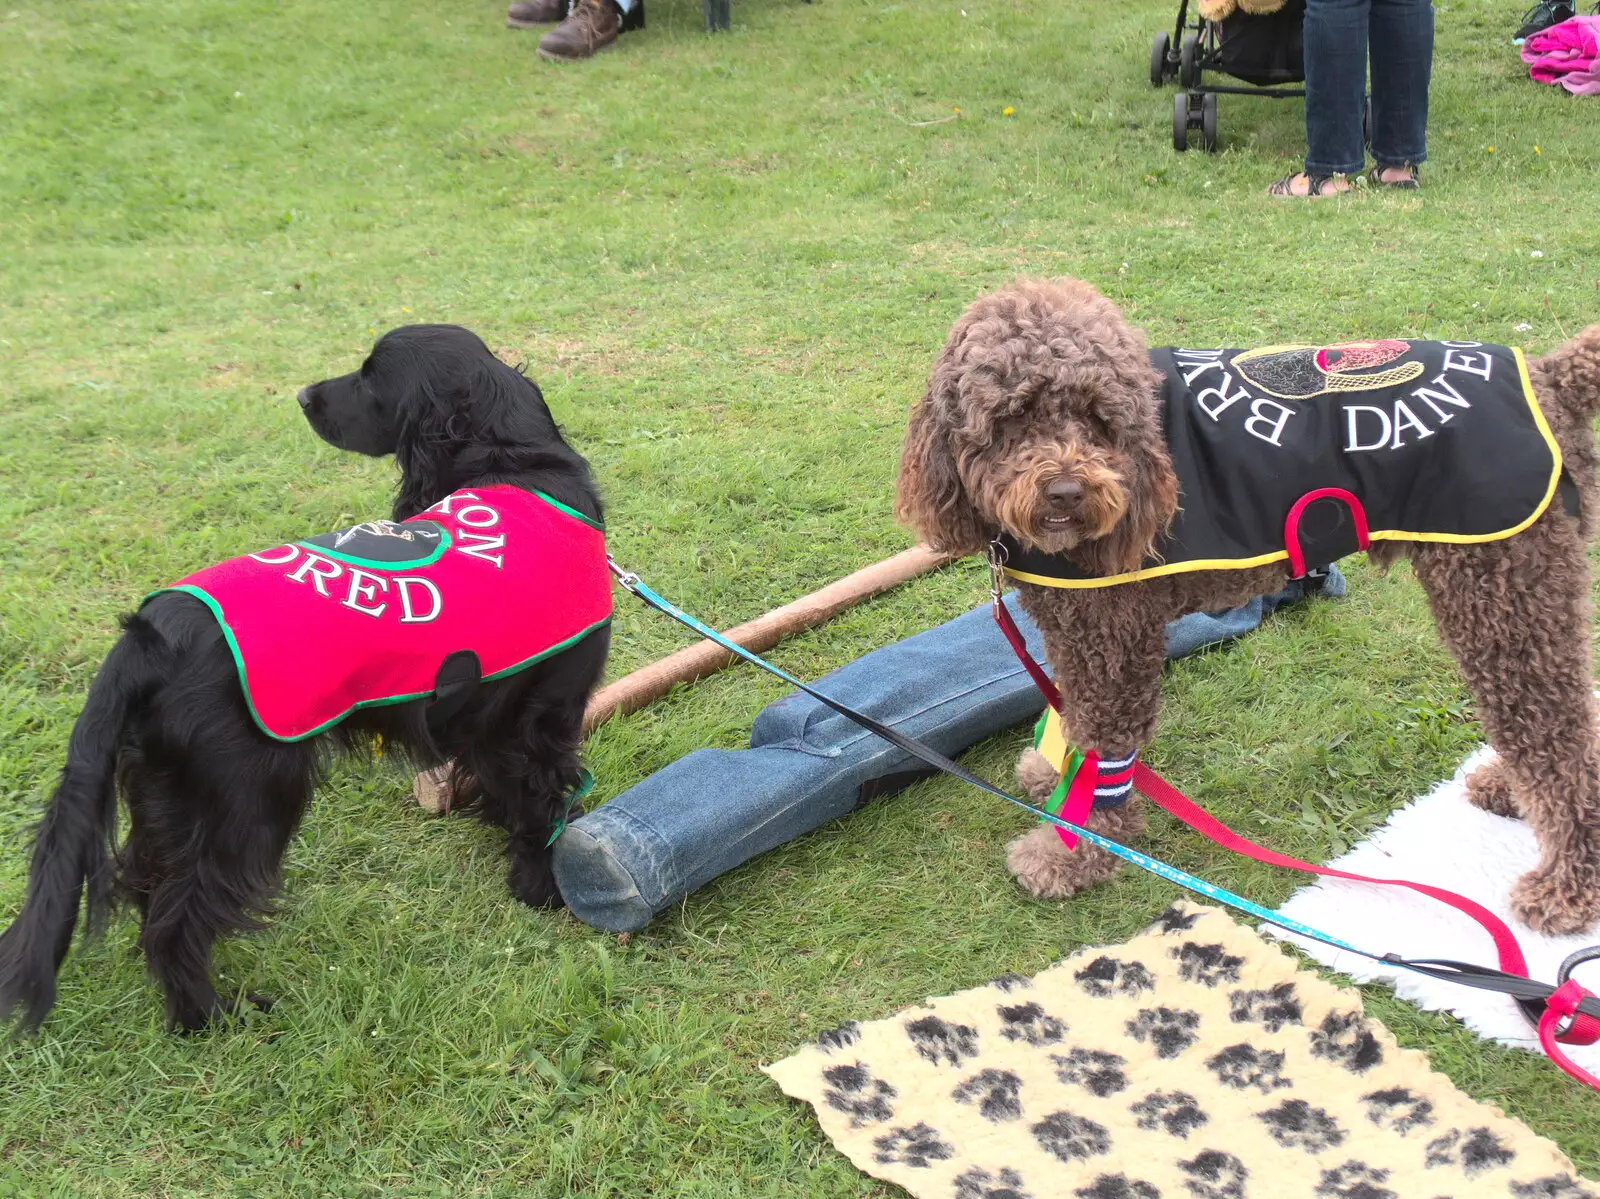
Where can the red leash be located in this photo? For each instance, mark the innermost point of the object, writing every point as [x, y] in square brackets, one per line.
[1582, 1028]
[1164, 795]
[1582, 1031]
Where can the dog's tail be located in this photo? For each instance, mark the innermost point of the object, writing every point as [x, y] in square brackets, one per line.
[72, 851]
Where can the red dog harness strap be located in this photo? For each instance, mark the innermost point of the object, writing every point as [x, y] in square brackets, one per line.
[1164, 795]
[366, 615]
[1583, 1030]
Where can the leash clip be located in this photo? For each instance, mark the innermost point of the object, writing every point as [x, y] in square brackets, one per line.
[627, 578]
[998, 557]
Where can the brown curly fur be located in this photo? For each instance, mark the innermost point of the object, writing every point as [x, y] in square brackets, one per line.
[1489, 787]
[1044, 381]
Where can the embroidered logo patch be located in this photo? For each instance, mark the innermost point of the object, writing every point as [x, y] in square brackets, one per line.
[1303, 372]
[384, 543]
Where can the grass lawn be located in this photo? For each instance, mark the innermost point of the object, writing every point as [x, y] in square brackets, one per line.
[729, 262]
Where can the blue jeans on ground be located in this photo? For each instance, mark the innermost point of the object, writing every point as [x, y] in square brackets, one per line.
[714, 809]
[1338, 37]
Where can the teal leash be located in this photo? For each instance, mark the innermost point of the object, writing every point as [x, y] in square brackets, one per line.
[632, 583]
[584, 785]
[1528, 993]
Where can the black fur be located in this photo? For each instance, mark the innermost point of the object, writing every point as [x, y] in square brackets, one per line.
[213, 801]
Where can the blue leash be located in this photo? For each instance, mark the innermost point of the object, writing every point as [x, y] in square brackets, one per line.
[1525, 991]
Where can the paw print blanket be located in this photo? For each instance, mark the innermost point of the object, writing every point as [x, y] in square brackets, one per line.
[1196, 1061]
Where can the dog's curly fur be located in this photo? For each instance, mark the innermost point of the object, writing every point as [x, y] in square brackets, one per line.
[213, 800]
[1041, 382]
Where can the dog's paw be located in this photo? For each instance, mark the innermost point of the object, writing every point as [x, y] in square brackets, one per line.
[1036, 776]
[1489, 787]
[217, 1012]
[533, 882]
[1045, 867]
[1557, 902]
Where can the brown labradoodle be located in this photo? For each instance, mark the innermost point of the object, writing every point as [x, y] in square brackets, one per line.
[1043, 422]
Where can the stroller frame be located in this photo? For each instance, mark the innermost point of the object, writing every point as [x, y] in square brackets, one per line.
[1186, 56]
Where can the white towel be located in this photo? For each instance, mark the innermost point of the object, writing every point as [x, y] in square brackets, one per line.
[1444, 840]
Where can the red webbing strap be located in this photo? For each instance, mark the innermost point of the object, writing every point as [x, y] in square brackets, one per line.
[1080, 797]
[1165, 795]
[1564, 1003]
[1584, 1029]
[1002, 617]
[1291, 524]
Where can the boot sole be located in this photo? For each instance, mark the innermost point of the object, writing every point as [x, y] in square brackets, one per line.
[543, 53]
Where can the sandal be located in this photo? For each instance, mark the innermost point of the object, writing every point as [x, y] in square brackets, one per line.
[1317, 186]
[1408, 183]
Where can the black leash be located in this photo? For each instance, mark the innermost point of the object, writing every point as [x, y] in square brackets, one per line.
[1531, 995]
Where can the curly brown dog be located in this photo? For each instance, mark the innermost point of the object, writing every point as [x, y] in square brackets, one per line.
[1043, 422]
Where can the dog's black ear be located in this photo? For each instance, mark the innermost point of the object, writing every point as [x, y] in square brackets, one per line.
[468, 421]
[929, 494]
[445, 416]
[432, 429]
[507, 408]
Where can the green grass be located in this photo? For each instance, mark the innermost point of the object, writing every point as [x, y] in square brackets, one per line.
[729, 261]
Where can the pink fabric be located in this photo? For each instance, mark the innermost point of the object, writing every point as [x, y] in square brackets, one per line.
[1585, 82]
[317, 631]
[1568, 54]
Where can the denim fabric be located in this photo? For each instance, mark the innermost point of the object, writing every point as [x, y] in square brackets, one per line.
[714, 809]
[1339, 35]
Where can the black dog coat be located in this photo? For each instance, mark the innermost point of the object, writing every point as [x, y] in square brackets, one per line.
[1306, 454]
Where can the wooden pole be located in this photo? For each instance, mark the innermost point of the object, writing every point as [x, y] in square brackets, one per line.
[649, 683]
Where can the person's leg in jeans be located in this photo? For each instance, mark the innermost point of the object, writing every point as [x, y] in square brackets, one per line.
[1335, 38]
[1336, 78]
[1402, 65]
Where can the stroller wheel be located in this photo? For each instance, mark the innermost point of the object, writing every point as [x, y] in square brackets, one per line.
[1180, 121]
[1189, 61]
[1159, 50]
[1208, 123]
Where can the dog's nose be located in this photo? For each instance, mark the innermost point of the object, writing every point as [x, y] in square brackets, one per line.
[304, 397]
[1065, 493]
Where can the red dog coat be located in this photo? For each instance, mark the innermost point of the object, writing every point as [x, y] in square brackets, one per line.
[365, 615]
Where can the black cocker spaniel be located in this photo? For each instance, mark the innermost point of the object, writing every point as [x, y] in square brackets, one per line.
[215, 734]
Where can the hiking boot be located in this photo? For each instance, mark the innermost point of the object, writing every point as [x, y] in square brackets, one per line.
[590, 27]
[1540, 17]
[528, 14]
